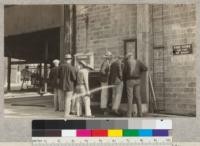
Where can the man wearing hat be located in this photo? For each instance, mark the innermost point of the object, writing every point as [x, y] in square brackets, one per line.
[133, 69]
[115, 78]
[82, 87]
[53, 79]
[67, 79]
[105, 71]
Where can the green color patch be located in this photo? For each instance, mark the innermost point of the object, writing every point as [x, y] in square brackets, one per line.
[130, 133]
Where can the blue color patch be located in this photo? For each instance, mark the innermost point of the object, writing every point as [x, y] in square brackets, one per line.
[145, 133]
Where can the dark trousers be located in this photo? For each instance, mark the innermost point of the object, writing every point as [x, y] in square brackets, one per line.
[133, 90]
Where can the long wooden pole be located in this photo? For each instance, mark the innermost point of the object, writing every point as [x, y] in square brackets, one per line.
[153, 93]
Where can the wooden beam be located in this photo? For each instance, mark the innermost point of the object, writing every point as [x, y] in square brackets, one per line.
[73, 40]
[62, 18]
[9, 74]
[23, 62]
[45, 66]
[40, 77]
[67, 29]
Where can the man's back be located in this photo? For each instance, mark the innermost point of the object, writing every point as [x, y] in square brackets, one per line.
[67, 77]
[133, 69]
[105, 69]
[115, 72]
[53, 76]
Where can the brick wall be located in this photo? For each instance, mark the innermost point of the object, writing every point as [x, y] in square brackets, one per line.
[173, 76]
[175, 89]
[108, 26]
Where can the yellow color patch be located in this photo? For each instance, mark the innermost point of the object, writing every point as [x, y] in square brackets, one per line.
[115, 133]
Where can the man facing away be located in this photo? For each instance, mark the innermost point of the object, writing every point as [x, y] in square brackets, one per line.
[67, 79]
[105, 71]
[133, 69]
[115, 78]
[83, 89]
[53, 78]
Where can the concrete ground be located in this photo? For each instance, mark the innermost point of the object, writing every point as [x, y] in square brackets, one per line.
[33, 105]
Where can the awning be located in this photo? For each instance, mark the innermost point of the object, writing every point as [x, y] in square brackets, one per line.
[31, 46]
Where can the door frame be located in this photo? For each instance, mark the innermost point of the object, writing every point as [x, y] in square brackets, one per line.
[125, 46]
[126, 41]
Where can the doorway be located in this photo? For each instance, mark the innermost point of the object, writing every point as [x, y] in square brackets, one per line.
[130, 46]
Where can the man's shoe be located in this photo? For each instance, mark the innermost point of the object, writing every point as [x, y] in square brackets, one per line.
[117, 113]
[91, 116]
[73, 113]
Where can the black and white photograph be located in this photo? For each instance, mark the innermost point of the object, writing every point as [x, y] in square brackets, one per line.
[97, 61]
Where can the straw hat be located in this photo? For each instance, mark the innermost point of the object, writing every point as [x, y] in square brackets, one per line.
[85, 64]
[68, 56]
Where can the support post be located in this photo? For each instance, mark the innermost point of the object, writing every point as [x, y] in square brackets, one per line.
[73, 40]
[62, 50]
[9, 74]
[45, 66]
[67, 29]
[144, 45]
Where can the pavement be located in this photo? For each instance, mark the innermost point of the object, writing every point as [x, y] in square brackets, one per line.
[47, 112]
[23, 104]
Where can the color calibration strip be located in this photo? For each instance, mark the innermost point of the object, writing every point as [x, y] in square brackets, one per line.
[101, 133]
[102, 124]
[101, 128]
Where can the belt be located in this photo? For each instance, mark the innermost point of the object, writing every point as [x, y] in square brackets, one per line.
[133, 78]
[81, 84]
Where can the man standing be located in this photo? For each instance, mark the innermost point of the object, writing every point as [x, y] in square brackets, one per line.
[53, 78]
[132, 74]
[105, 71]
[83, 88]
[115, 79]
[26, 75]
[67, 78]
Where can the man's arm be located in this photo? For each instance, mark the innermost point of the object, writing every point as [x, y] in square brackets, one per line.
[86, 79]
[120, 73]
[59, 75]
[50, 75]
[142, 67]
[125, 69]
[73, 73]
[103, 68]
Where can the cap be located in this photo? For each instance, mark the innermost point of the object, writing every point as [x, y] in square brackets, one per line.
[56, 61]
[107, 54]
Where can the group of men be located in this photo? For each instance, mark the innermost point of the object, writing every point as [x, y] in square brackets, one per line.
[71, 88]
[117, 72]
